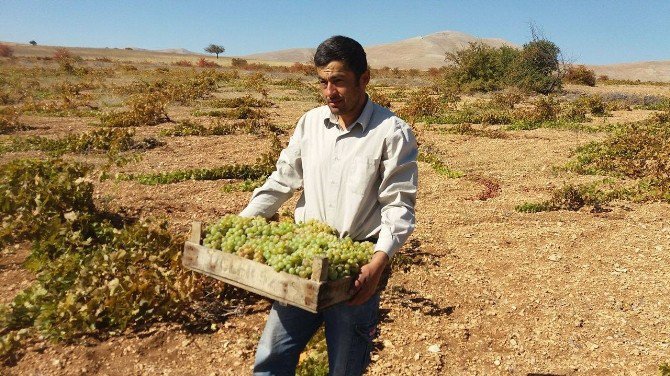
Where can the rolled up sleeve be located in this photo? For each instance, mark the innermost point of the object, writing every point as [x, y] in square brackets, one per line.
[280, 185]
[397, 192]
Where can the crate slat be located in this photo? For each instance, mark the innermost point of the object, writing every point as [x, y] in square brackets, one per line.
[313, 294]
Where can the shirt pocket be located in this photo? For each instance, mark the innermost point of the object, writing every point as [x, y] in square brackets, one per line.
[362, 174]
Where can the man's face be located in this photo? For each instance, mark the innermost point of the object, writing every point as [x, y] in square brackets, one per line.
[344, 93]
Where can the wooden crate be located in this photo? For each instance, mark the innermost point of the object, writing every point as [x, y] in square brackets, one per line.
[313, 294]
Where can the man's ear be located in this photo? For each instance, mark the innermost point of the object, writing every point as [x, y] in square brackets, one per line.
[365, 78]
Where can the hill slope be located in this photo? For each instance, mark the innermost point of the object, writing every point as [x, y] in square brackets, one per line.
[643, 71]
[420, 52]
[126, 54]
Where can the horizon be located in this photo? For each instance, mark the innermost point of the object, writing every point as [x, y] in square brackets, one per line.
[623, 33]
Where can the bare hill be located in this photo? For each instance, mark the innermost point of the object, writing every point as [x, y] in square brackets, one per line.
[643, 71]
[126, 54]
[291, 55]
[420, 52]
[181, 51]
[424, 52]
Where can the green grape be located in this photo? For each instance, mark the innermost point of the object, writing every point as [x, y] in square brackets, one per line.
[289, 247]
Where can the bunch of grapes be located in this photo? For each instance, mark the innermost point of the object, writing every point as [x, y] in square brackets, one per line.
[287, 246]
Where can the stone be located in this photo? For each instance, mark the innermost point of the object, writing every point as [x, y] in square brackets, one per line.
[554, 257]
[434, 348]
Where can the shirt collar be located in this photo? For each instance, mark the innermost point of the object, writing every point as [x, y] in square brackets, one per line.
[363, 119]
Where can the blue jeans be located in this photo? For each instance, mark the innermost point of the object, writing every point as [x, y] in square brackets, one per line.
[349, 334]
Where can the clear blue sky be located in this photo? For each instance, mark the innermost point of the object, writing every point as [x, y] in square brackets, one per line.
[593, 32]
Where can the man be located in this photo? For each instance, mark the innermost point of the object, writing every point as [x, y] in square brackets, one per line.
[357, 164]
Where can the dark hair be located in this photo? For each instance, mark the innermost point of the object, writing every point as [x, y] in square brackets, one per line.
[344, 49]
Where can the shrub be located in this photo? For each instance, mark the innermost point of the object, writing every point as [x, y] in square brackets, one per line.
[482, 112]
[6, 51]
[479, 67]
[507, 98]
[203, 63]
[110, 140]
[637, 151]
[37, 193]
[593, 104]
[574, 112]
[306, 69]
[263, 167]
[63, 54]
[246, 100]
[252, 126]
[9, 120]
[256, 81]
[545, 109]
[421, 104]
[10, 95]
[183, 63]
[379, 97]
[96, 272]
[198, 87]
[571, 197]
[428, 155]
[185, 128]
[132, 68]
[183, 91]
[239, 113]
[537, 67]
[580, 75]
[67, 60]
[145, 109]
[238, 62]
[545, 112]
[247, 185]
[291, 83]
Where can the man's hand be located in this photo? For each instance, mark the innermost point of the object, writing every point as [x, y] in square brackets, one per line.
[368, 278]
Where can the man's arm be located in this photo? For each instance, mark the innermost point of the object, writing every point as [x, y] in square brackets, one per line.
[397, 195]
[280, 185]
[397, 192]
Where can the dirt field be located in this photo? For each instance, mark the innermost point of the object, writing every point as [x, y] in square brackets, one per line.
[481, 289]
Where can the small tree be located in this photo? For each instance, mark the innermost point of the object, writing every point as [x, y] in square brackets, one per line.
[6, 51]
[62, 54]
[479, 67]
[32, 42]
[537, 68]
[580, 75]
[215, 49]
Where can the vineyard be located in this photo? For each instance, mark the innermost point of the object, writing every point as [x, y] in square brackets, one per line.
[542, 220]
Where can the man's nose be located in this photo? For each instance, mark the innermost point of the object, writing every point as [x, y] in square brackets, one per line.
[330, 89]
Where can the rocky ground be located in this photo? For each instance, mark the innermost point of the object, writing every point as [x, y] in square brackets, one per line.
[480, 289]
